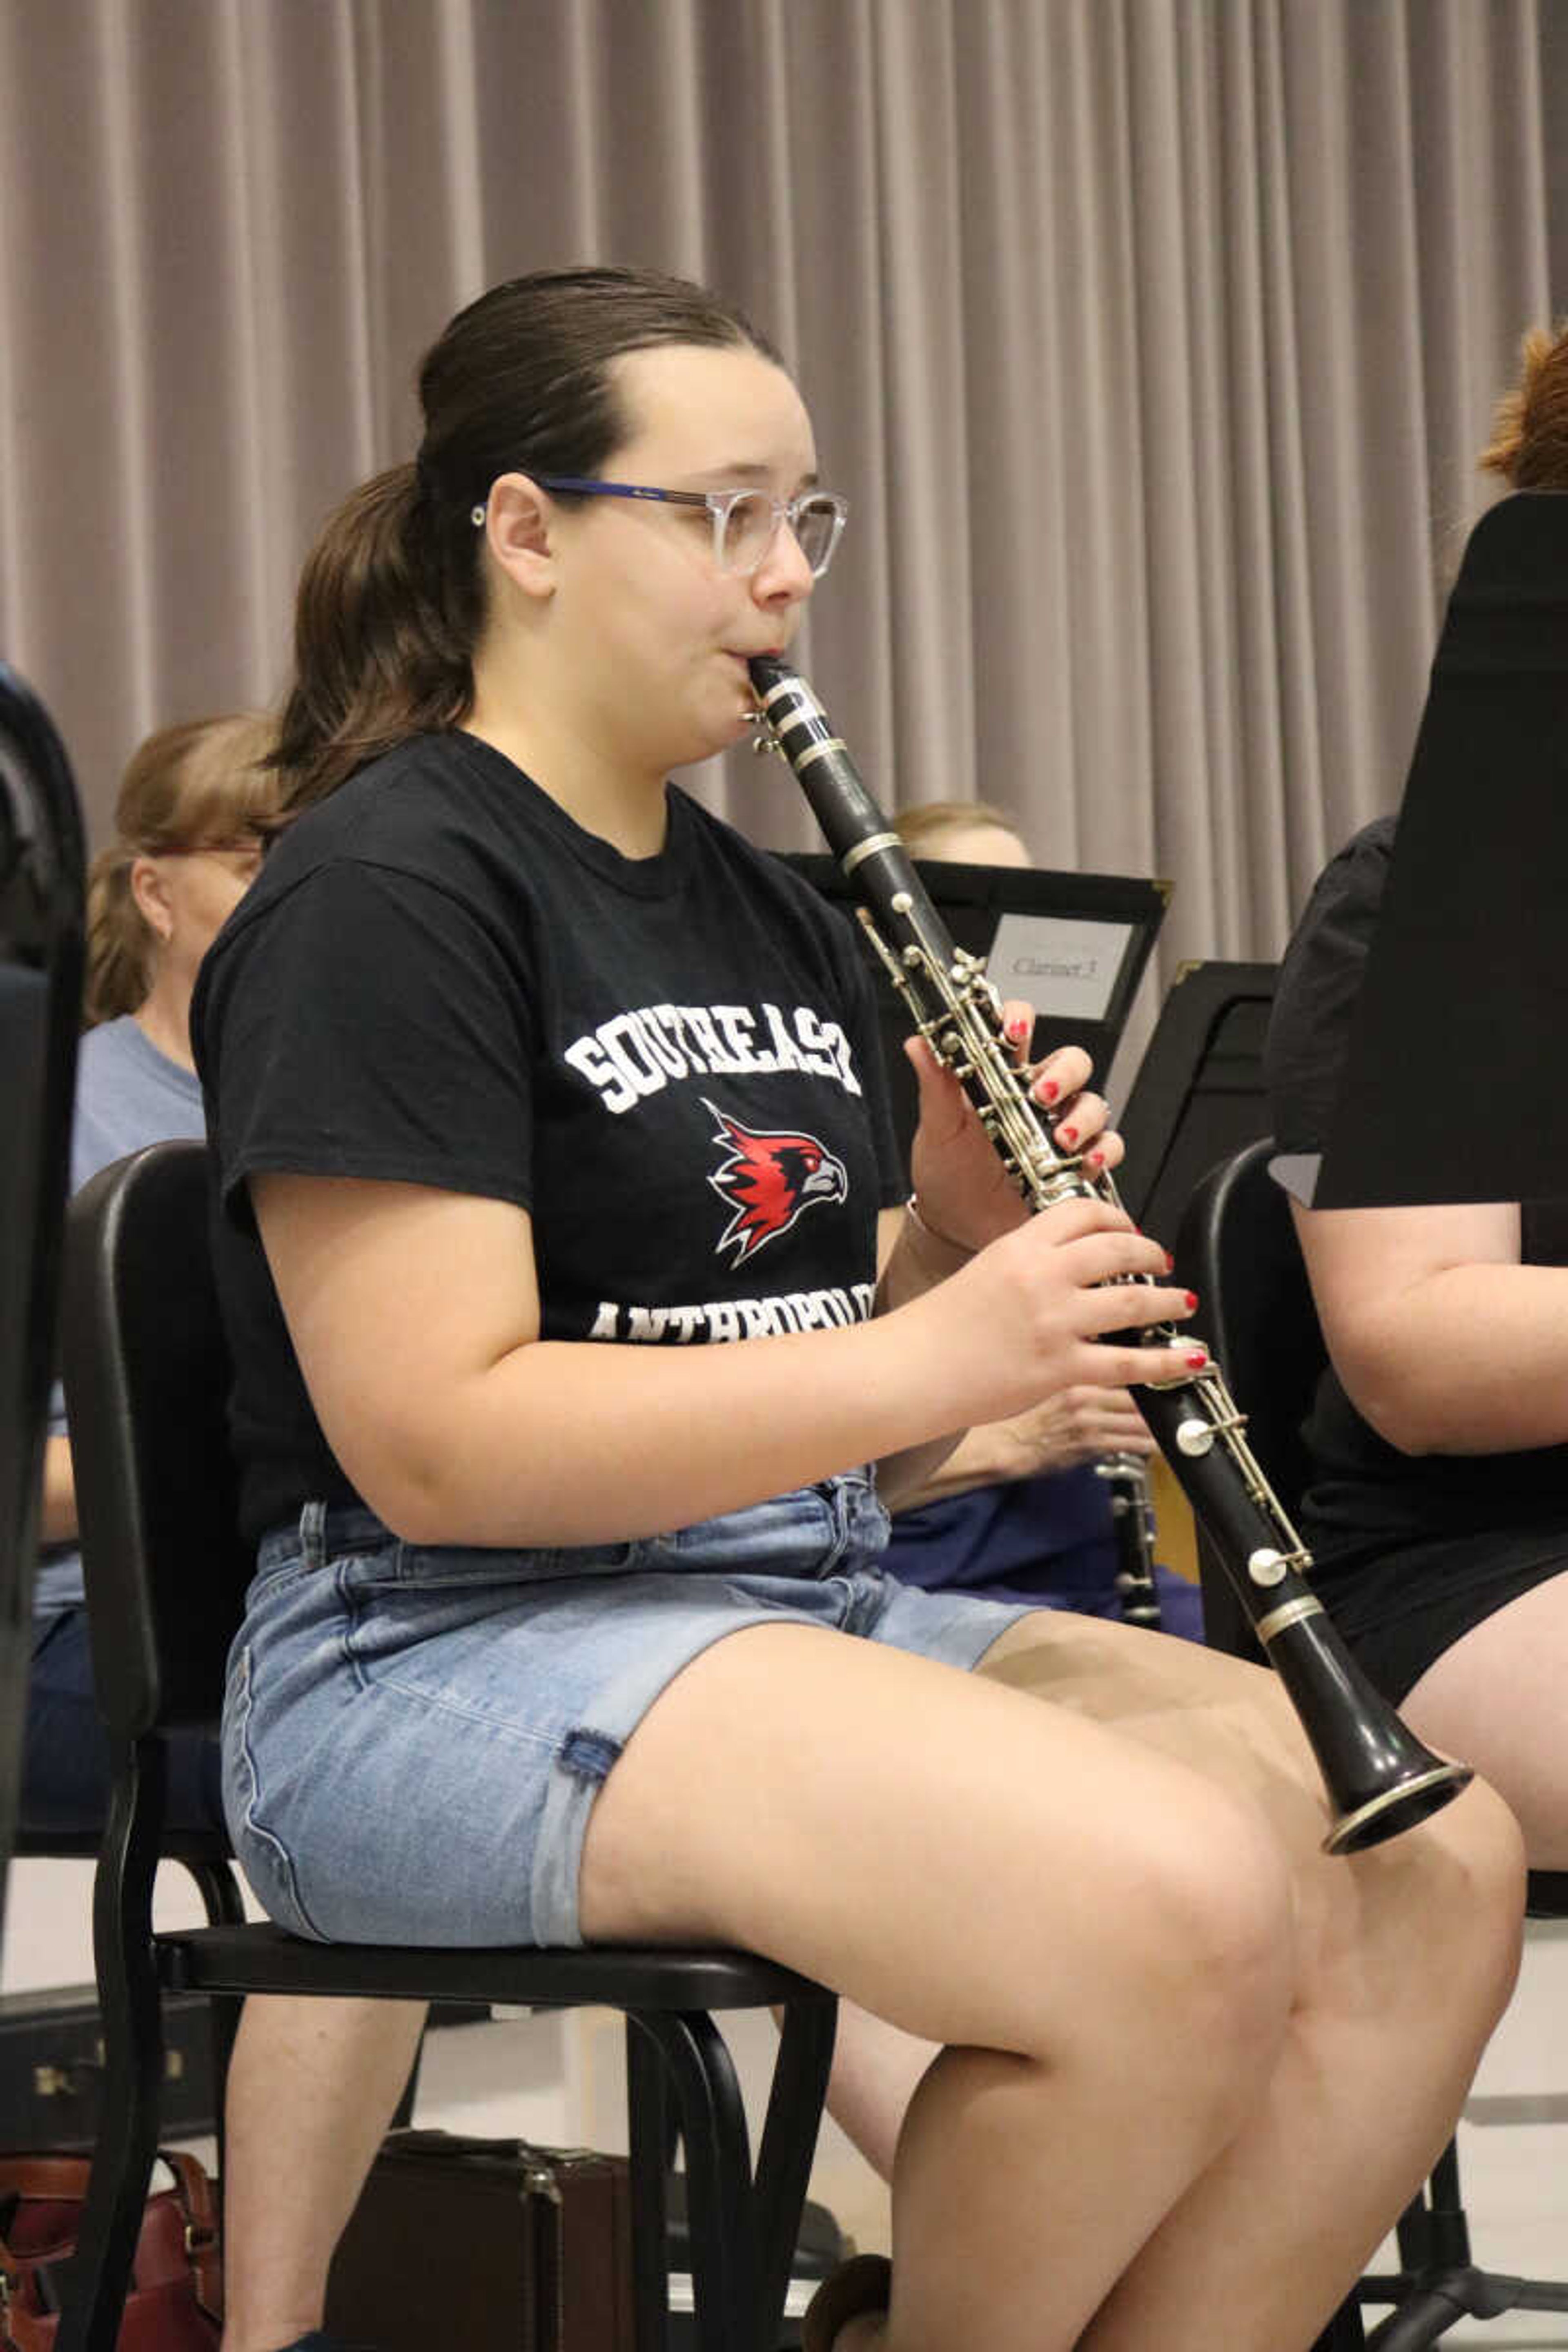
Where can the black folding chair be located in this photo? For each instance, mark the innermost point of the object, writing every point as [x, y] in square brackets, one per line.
[41, 893]
[146, 1378]
[1238, 1248]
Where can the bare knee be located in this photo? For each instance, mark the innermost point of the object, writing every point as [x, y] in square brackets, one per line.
[1223, 1911]
[1466, 1911]
[1201, 1989]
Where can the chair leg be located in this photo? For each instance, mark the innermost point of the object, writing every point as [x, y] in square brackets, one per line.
[1414, 2235]
[651, 2126]
[1426, 2314]
[719, 2212]
[1424, 2318]
[224, 1907]
[130, 1998]
[1440, 2283]
[1344, 2332]
[789, 2143]
[1447, 2230]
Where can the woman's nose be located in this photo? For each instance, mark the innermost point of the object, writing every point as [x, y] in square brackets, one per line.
[783, 575]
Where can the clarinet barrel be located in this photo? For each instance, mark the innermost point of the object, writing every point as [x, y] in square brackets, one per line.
[1379, 1779]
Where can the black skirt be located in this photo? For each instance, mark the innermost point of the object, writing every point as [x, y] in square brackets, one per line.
[1401, 1606]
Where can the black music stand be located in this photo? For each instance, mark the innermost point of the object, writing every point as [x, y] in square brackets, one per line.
[1199, 1093]
[1451, 1091]
[41, 920]
[1073, 945]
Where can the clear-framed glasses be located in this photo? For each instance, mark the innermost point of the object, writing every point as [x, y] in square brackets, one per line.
[745, 522]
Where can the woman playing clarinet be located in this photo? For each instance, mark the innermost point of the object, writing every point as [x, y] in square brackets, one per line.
[551, 1159]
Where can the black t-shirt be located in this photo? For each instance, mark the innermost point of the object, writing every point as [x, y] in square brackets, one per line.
[672, 1063]
[1366, 1493]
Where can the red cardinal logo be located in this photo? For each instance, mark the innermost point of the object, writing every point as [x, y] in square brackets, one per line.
[767, 1179]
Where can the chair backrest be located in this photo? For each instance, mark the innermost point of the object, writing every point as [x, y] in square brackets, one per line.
[1238, 1248]
[147, 1380]
[41, 925]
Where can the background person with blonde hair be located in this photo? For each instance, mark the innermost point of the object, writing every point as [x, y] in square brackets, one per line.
[187, 844]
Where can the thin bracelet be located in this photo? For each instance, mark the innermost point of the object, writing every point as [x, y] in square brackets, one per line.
[942, 1241]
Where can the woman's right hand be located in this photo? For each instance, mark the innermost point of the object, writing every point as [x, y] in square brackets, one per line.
[1028, 1317]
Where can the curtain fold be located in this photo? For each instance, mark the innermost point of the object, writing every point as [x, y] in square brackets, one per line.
[1153, 341]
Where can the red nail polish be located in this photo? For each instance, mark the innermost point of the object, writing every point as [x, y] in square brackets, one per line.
[1198, 1359]
[1169, 1263]
[1017, 1031]
[1068, 1135]
[1192, 1297]
[1048, 1090]
[1096, 1159]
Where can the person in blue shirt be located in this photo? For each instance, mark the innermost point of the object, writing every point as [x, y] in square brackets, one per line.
[187, 847]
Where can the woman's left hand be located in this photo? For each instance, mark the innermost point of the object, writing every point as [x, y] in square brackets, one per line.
[964, 1192]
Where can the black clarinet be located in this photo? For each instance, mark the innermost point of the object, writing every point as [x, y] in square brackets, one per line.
[1132, 1533]
[1379, 1779]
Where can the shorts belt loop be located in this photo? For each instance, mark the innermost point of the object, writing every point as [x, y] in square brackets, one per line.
[313, 1535]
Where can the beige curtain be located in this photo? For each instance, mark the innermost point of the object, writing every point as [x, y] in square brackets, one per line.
[1151, 341]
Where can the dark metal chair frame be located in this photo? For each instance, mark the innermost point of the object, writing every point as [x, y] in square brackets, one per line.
[41, 950]
[146, 1377]
[1238, 1249]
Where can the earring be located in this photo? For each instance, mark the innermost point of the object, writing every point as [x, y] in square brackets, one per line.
[478, 518]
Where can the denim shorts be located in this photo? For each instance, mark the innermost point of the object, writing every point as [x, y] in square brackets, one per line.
[414, 1737]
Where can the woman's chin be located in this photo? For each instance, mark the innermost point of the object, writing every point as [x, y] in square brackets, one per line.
[728, 729]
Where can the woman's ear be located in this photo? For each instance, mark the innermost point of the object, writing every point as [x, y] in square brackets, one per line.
[150, 891]
[518, 519]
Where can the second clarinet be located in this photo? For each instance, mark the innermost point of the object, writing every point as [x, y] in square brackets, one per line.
[1379, 1779]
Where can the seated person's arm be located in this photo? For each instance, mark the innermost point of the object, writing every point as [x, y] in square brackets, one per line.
[1074, 1427]
[415, 1316]
[1442, 1339]
[57, 1519]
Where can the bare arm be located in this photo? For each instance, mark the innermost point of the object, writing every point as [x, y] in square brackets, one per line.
[1078, 1425]
[414, 1313]
[57, 1522]
[1443, 1340]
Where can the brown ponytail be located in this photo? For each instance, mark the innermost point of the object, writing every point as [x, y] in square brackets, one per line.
[1528, 446]
[381, 653]
[392, 600]
[206, 783]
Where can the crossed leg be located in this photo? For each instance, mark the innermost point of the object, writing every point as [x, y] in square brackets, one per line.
[1188, 2064]
[1496, 1697]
